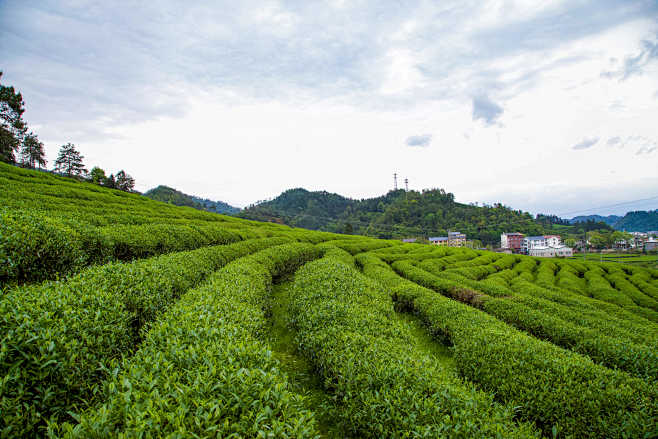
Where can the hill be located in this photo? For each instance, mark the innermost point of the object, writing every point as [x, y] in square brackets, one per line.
[123, 316]
[609, 220]
[395, 215]
[177, 198]
[638, 221]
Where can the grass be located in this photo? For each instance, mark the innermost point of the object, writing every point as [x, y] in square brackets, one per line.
[636, 259]
[300, 373]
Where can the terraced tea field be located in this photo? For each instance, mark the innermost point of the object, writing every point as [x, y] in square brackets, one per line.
[125, 317]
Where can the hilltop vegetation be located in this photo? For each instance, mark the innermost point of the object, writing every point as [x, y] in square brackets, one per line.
[177, 198]
[398, 214]
[639, 221]
[127, 317]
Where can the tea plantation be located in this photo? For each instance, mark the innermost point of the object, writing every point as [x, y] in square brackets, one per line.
[125, 317]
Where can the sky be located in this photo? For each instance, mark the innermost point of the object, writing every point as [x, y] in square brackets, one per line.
[545, 106]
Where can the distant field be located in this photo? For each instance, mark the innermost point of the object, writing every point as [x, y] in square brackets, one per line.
[644, 260]
[126, 317]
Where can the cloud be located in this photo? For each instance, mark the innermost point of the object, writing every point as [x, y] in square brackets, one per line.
[586, 143]
[485, 109]
[635, 64]
[641, 144]
[646, 150]
[422, 141]
[612, 141]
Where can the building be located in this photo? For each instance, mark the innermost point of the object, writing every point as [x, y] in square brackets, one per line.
[531, 242]
[547, 246]
[409, 240]
[456, 239]
[512, 241]
[439, 240]
[553, 240]
[651, 245]
[551, 252]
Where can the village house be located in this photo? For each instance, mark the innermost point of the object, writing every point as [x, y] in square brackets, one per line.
[551, 252]
[650, 244]
[454, 239]
[511, 241]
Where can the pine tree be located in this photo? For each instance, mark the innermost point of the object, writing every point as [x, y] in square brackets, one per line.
[32, 152]
[69, 162]
[12, 126]
[124, 181]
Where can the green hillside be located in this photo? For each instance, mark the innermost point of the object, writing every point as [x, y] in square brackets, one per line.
[177, 198]
[398, 214]
[638, 221]
[122, 316]
[609, 220]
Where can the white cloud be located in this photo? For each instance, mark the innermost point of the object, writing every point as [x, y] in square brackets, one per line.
[586, 143]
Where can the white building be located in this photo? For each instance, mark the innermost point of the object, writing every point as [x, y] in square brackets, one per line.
[530, 242]
[551, 252]
[651, 244]
[553, 240]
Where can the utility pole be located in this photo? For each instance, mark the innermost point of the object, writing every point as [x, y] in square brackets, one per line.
[585, 253]
[395, 181]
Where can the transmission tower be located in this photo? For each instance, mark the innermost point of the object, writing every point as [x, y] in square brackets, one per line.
[395, 181]
[406, 184]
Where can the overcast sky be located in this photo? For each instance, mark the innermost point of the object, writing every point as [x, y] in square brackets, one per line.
[546, 106]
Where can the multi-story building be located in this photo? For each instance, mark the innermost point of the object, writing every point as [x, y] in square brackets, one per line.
[553, 240]
[550, 252]
[650, 244]
[530, 242]
[456, 239]
[546, 246]
[512, 241]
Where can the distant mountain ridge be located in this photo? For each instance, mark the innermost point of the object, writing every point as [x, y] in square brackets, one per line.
[635, 221]
[610, 219]
[178, 198]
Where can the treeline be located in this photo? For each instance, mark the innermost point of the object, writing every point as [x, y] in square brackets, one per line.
[178, 198]
[22, 148]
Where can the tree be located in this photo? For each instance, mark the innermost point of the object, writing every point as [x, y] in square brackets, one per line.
[597, 240]
[124, 181]
[348, 230]
[97, 175]
[570, 242]
[12, 126]
[32, 152]
[69, 162]
[110, 182]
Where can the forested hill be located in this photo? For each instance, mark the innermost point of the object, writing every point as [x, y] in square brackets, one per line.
[610, 219]
[638, 221]
[177, 198]
[394, 215]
